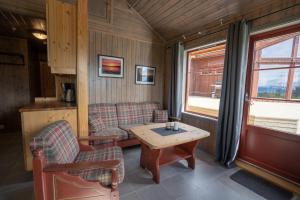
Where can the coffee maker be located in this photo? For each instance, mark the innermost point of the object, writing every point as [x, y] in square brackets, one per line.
[68, 92]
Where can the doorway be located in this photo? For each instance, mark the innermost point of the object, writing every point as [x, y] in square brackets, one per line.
[270, 136]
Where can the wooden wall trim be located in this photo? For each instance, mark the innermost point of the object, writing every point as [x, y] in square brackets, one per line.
[82, 67]
[275, 179]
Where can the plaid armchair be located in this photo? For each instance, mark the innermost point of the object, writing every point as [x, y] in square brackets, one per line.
[59, 155]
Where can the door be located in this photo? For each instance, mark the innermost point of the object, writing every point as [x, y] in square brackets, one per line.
[271, 124]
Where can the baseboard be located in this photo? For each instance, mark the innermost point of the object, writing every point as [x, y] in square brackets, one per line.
[265, 174]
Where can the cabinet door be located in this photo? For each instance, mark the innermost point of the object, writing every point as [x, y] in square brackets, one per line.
[61, 21]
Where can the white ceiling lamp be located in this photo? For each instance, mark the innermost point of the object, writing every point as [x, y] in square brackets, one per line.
[39, 35]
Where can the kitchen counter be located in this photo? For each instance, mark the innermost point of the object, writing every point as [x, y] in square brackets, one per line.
[55, 105]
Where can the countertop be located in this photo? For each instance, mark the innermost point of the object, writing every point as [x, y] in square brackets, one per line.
[55, 105]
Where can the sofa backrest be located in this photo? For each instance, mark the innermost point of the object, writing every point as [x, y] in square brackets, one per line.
[107, 112]
[58, 143]
[148, 110]
[129, 113]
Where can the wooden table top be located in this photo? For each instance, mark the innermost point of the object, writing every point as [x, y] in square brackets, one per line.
[156, 141]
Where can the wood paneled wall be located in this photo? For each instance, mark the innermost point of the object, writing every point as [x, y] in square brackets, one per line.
[207, 144]
[14, 84]
[127, 35]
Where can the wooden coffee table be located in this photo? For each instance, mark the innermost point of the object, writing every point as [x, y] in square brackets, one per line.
[158, 150]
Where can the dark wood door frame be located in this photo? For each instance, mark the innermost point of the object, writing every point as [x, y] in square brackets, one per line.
[275, 151]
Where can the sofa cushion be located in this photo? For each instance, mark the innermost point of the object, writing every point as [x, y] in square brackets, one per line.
[101, 175]
[129, 113]
[58, 143]
[128, 127]
[160, 116]
[107, 112]
[96, 123]
[122, 135]
[148, 110]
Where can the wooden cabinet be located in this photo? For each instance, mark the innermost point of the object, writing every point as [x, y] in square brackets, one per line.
[34, 120]
[61, 30]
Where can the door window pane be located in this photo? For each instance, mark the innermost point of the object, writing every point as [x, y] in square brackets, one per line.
[272, 83]
[296, 85]
[279, 50]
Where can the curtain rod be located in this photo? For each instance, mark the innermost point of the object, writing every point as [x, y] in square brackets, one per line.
[249, 20]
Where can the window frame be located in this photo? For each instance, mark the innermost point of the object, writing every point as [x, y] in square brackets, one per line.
[186, 80]
[293, 62]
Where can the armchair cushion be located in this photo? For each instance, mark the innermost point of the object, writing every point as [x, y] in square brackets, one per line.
[101, 175]
[58, 143]
[160, 116]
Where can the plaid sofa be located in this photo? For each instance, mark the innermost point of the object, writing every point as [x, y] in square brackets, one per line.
[121, 117]
[108, 114]
[60, 145]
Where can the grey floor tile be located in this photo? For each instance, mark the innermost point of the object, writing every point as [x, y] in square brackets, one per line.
[196, 194]
[126, 187]
[131, 165]
[178, 186]
[22, 191]
[140, 178]
[154, 192]
[296, 197]
[216, 190]
[205, 173]
[131, 196]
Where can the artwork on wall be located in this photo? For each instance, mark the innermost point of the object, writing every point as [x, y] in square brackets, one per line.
[110, 66]
[144, 75]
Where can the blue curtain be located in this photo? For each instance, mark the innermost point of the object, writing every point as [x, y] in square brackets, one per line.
[175, 87]
[233, 93]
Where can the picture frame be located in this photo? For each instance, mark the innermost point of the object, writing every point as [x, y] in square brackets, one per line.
[110, 66]
[145, 75]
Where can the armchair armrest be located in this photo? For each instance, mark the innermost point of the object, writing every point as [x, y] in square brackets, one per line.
[107, 164]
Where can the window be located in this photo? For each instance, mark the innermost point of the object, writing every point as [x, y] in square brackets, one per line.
[276, 70]
[204, 80]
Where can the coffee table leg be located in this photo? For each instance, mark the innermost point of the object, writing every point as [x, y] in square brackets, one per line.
[191, 149]
[150, 160]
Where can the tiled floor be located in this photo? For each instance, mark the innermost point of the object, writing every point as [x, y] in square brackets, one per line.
[208, 181]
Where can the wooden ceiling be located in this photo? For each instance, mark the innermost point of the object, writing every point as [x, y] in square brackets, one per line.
[175, 18]
[17, 25]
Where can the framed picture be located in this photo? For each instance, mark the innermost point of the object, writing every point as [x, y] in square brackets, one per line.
[110, 66]
[144, 75]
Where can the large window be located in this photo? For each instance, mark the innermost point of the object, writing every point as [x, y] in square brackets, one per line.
[204, 80]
